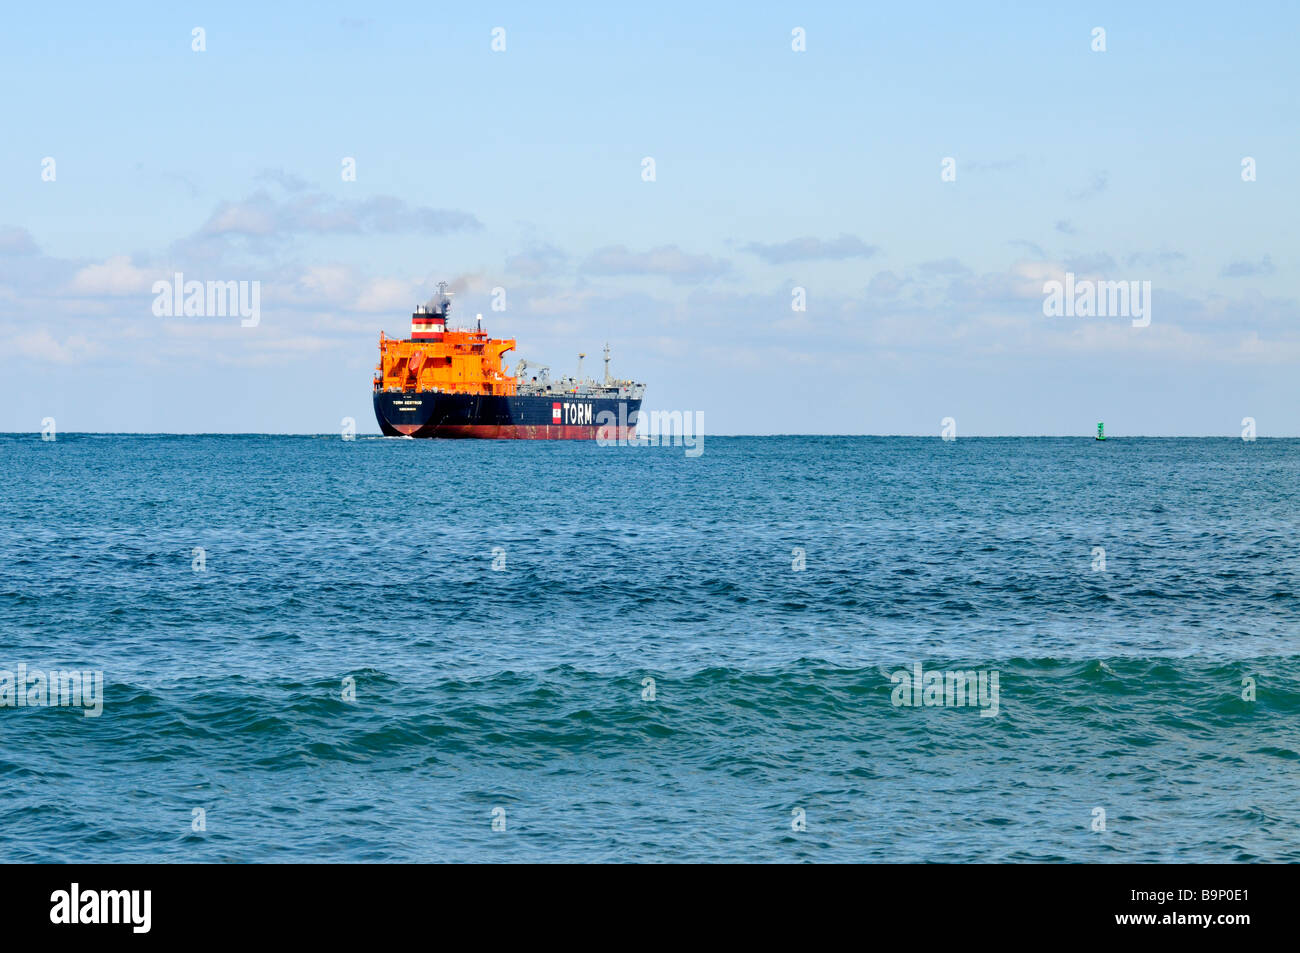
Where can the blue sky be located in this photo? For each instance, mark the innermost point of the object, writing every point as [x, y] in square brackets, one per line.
[775, 169]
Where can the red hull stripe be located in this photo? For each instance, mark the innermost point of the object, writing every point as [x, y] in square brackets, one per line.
[516, 431]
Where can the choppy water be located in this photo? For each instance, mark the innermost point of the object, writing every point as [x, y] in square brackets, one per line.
[522, 688]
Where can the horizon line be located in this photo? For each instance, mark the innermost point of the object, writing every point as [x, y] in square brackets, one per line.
[885, 436]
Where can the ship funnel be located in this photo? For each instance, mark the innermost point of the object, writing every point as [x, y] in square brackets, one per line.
[427, 327]
[428, 323]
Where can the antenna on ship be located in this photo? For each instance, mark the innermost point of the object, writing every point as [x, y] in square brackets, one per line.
[480, 322]
[580, 357]
[606, 363]
[443, 306]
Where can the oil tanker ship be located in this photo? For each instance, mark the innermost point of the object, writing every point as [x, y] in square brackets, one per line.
[451, 382]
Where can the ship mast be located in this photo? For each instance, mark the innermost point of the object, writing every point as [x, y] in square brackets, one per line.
[606, 363]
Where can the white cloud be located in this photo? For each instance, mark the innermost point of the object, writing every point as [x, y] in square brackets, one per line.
[262, 215]
[116, 276]
[812, 249]
[388, 294]
[667, 261]
[43, 346]
[17, 241]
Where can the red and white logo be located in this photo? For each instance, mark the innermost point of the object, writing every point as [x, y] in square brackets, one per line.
[555, 412]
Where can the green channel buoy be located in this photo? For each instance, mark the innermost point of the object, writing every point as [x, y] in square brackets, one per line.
[1101, 430]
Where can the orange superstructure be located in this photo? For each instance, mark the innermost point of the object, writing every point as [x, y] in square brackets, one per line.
[439, 359]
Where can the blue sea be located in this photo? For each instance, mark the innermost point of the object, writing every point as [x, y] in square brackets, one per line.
[315, 649]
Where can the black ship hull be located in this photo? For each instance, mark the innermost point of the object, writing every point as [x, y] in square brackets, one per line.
[495, 417]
